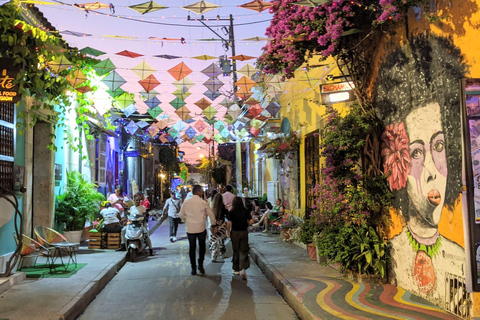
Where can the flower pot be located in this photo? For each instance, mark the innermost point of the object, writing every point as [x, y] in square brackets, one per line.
[285, 234]
[312, 251]
[73, 236]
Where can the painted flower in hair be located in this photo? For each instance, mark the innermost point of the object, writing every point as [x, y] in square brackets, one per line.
[396, 155]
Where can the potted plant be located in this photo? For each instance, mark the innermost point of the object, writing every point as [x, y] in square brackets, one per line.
[309, 229]
[77, 205]
[287, 226]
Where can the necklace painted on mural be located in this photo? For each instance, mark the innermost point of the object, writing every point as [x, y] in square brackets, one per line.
[430, 246]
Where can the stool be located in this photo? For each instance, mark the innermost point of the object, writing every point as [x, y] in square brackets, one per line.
[113, 240]
[95, 240]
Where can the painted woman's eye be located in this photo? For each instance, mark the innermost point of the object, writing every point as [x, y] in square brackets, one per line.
[416, 154]
[439, 145]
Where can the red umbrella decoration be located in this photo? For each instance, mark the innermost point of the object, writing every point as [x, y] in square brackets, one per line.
[180, 71]
[149, 83]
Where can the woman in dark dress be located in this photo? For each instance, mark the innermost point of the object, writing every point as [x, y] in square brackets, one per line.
[239, 219]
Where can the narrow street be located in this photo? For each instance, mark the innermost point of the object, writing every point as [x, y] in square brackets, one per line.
[162, 287]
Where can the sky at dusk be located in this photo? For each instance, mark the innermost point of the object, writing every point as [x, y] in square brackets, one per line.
[112, 33]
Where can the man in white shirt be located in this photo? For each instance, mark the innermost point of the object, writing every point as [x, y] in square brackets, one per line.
[228, 197]
[194, 211]
[172, 208]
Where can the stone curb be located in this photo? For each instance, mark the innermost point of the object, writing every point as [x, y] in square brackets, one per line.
[283, 286]
[81, 301]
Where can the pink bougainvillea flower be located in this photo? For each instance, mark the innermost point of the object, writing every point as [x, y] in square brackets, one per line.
[396, 155]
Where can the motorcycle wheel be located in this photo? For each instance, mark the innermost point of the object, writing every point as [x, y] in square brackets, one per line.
[132, 254]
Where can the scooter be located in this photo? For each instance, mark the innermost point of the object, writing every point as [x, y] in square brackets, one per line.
[136, 237]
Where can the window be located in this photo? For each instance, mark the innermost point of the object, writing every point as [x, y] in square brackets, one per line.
[7, 144]
[312, 168]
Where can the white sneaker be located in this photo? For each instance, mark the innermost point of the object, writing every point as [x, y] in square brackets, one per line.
[174, 239]
[171, 239]
[265, 231]
[243, 274]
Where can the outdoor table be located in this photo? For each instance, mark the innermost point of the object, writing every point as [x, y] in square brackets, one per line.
[65, 247]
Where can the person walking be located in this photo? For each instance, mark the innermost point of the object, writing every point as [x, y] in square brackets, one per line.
[172, 208]
[228, 197]
[239, 219]
[194, 211]
[219, 230]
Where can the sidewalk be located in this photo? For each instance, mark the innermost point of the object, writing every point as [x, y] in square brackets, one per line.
[64, 298]
[321, 292]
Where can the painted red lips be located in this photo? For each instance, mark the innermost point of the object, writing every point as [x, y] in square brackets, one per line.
[434, 197]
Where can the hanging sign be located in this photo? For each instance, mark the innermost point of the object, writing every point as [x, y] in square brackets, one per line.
[133, 154]
[8, 73]
[337, 92]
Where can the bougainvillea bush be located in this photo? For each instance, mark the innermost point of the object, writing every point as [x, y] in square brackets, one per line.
[297, 31]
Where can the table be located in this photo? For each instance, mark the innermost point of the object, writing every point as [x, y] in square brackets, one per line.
[65, 247]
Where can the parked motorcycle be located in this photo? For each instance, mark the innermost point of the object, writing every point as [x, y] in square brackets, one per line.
[136, 237]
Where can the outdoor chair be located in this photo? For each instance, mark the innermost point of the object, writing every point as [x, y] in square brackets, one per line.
[275, 225]
[33, 249]
[57, 243]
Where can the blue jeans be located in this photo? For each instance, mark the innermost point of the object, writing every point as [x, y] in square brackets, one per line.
[173, 226]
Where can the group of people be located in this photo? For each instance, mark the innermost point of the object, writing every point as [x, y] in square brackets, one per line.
[224, 215]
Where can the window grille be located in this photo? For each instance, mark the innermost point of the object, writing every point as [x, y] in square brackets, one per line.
[7, 144]
[457, 300]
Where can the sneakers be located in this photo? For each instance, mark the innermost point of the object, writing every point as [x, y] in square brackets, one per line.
[122, 247]
[174, 239]
[265, 231]
[201, 270]
[243, 274]
[171, 239]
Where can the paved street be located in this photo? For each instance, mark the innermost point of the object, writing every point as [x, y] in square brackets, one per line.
[162, 287]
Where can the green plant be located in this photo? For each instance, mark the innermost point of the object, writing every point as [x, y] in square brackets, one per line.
[263, 200]
[78, 204]
[308, 229]
[291, 222]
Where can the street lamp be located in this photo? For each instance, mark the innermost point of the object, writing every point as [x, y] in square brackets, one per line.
[162, 176]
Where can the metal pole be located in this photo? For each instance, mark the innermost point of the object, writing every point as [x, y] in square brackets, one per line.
[232, 44]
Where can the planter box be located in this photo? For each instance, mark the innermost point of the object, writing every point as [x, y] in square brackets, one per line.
[113, 240]
[312, 251]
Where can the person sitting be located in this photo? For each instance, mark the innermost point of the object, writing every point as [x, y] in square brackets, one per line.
[256, 211]
[272, 214]
[111, 219]
[118, 200]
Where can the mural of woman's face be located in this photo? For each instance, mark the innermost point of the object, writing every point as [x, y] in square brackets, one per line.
[427, 179]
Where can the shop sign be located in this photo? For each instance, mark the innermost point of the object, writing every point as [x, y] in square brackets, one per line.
[8, 73]
[132, 154]
[337, 92]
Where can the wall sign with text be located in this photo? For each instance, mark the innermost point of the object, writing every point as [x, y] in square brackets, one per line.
[337, 92]
[8, 73]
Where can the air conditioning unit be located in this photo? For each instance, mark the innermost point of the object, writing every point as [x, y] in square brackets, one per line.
[272, 191]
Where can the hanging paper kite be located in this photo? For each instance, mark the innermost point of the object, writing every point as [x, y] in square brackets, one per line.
[234, 111]
[124, 100]
[190, 132]
[226, 103]
[131, 127]
[254, 131]
[212, 71]
[84, 89]
[200, 125]
[199, 138]
[177, 103]
[204, 57]
[104, 67]
[256, 5]
[115, 93]
[149, 83]
[92, 52]
[248, 70]
[203, 103]
[242, 57]
[163, 117]
[128, 111]
[173, 133]
[152, 103]
[189, 121]
[183, 113]
[59, 64]
[148, 95]
[180, 94]
[311, 3]
[213, 85]
[147, 7]
[143, 70]
[211, 95]
[256, 123]
[184, 83]
[256, 39]
[210, 112]
[245, 84]
[251, 102]
[76, 78]
[228, 119]
[94, 6]
[161, 124]
[200, 7]
[180, 71]
[255, 110]
[277, 82]
[219, 125]
[129, 54]
[155, 112]
[273, 108]
[153, 131]
[244, 95]
[142, 124]
[167, 56]
[113, 81]
[179, 126]
[225, 133]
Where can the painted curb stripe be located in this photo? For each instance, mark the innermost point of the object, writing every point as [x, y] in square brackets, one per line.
[428, 310]
[324, 299]
[408, 298]
[352, 299]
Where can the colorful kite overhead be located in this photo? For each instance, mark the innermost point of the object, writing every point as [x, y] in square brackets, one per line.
[203, 103]
[129, 54]
[167, 56]
[180, 71]
[204, 57]
[104, 67]
[155, 112]
[257, 5]
[311, 3]
[213, 85]
[94, 6]
[209, 112]
[143, 70]
[59, 64]
[76, 78]
[211, 95]
[84, 89]
[226, 103]
[241, 57]
[179, 126]
[200, 7]
[183, 113]
[148, 95]
[113, 81]
[92, 52]
[128, 111]
[185, 82]
[177, 103]
[181, 94]
[147, 7]
[200, 126]
[131, 127]
[149, 83]
[248, 70]
[212, 71]
[152, 103]
[115, 93]
[124, 100]
[190, 132]
[273, 108]
[245, 84]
